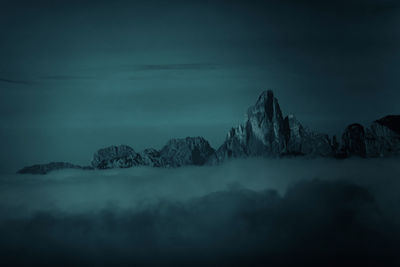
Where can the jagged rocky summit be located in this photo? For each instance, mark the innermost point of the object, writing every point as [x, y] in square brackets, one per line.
[265, 132]
[176, 153]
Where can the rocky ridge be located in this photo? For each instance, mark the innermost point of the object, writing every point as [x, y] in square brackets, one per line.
[265, 132]
[176, 153]
[380, 139]
[52, 166]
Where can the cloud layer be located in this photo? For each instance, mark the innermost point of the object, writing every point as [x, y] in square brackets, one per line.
[327, 221]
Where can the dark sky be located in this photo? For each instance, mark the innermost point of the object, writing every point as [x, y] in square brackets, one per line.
[79, 75]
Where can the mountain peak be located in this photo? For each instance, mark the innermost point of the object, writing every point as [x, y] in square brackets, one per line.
[266, 94]
[268, 104]
[266, 108]
[267, 132]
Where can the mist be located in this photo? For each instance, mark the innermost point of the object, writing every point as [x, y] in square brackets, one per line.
[245, 212]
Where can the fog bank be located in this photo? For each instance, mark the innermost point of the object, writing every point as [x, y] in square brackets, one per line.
[246, 212]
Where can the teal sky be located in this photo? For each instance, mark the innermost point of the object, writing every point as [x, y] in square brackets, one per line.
[79, 75]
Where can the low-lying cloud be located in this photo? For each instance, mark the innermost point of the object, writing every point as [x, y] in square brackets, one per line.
[249, 213]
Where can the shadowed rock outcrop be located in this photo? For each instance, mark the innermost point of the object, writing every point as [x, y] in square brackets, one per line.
[353, 141]
[266, 132]
[176, 153]
[391, 122]
[121, 156]
[186, 151]
[380, 139]
[151, 157]
[52, 166]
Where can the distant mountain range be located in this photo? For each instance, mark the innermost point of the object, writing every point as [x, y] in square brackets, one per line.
[265, 132]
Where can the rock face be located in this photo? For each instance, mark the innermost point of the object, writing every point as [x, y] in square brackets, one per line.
[52, 166]
[392, 122]
[151, 157]
[186, 151]
[267, 133]
[381, 139]
[353, 141]
[176, 153]
[303, 141]
[121, 156]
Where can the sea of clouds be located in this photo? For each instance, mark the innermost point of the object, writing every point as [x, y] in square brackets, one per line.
[252, 212]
